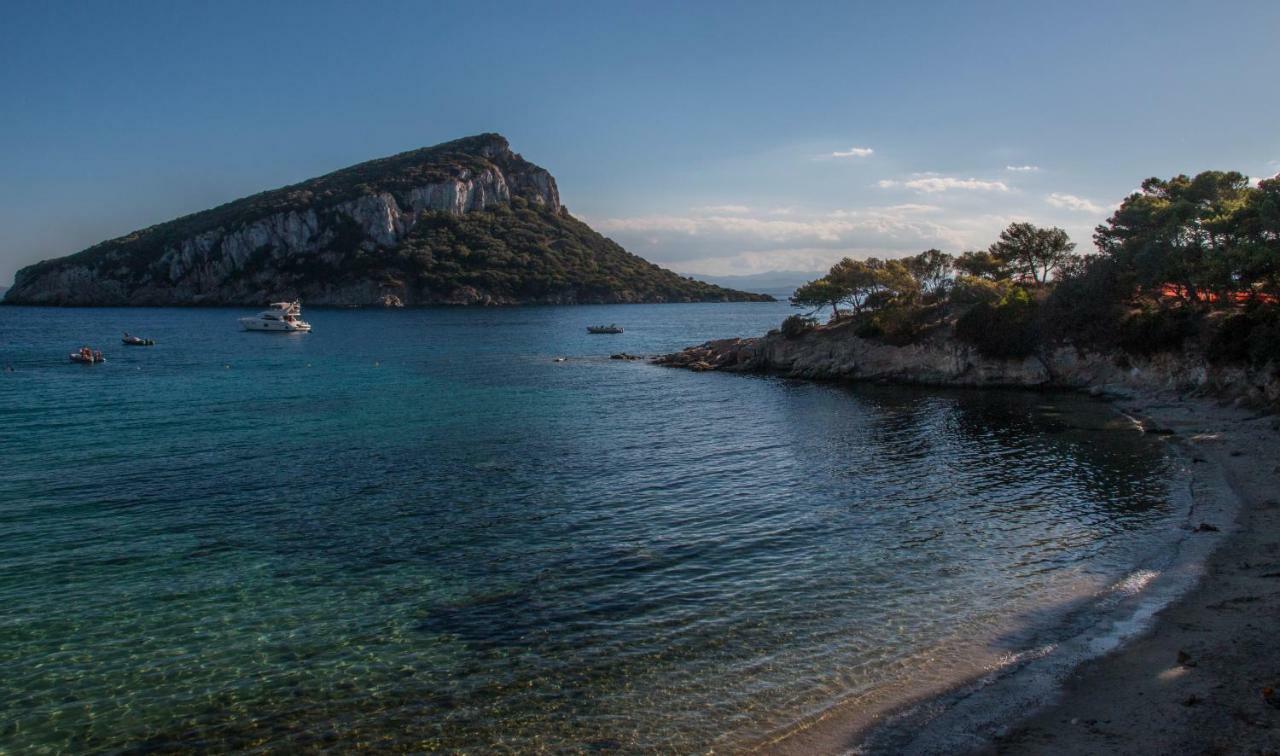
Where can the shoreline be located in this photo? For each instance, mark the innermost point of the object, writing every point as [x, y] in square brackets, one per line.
[1180, 669]
[1193, 681]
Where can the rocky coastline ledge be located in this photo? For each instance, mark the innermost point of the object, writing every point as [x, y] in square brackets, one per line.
[835, 352]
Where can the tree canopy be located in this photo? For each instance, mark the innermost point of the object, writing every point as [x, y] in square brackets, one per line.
[1184, 261]
[818, 294]
[982, 264]
[932, 270]
[1209, 236]
[860, 284]
[1032, 252]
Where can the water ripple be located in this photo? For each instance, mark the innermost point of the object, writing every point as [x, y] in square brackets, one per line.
[414, 531]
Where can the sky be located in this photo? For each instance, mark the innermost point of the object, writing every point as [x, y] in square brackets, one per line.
[713, 138]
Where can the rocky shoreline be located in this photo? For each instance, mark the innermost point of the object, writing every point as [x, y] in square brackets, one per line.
[836, 353]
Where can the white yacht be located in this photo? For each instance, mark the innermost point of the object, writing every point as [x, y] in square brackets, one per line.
[282, 316]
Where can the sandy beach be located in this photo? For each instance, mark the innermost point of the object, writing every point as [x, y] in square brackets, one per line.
[1194, 682]
[1184, 676]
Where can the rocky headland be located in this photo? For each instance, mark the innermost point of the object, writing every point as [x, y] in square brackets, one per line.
[464, 222]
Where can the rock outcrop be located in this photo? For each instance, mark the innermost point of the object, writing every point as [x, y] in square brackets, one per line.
[465, 222]
[836, 353]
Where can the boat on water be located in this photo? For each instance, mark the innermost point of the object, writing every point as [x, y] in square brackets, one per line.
[284, 317]
[136, 340]
[611, 328]
[87, 356]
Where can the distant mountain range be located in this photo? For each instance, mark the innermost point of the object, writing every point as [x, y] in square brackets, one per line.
[779, 283]
[464, 222]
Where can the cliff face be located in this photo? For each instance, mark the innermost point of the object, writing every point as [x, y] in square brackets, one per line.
[464, 222]
[941, 360]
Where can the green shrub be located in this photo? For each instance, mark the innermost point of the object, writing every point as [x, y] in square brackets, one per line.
[1157, 329]
[1264, 343]
[1250, 337]
[1086, 308]
[898, 325]
[970, 290]
[868, 328]
[1008, 329]
[797, 325]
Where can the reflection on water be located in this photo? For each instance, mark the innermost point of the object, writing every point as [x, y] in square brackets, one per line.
[414, 530]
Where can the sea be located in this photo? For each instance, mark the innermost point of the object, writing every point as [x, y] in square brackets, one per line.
[418, 530]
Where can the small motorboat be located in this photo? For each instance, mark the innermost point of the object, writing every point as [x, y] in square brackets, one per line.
[283, 317]
[611, 328]
[136, 341]
[87, 356]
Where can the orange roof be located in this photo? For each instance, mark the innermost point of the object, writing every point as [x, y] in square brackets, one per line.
[1178, 291]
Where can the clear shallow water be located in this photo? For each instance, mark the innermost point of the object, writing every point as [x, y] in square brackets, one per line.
[414, 530]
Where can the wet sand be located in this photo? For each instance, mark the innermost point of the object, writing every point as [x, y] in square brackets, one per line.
[1194, 683]
[1187, 679]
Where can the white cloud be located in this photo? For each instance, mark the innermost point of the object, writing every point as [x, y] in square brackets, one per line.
[723, 209]
[1022, 168]
[773, 231]
[931, 184]
[853, 152]
[909, 208]
[913, 207]
[730, 238]
[806, 239]
[771, 260]
[1074, 203]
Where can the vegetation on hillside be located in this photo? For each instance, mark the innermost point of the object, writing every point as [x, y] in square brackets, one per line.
[523, 251]
[1184, 260]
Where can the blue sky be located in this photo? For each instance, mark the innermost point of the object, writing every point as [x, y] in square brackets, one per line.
[709, 137]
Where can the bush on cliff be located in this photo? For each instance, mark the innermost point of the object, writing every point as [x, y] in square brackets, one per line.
[1151, 330]
[1009, 328]
[1250, 337]
[796, 326]
[1264, 342]
[971, 290]
[1087, 305]
[901, 324]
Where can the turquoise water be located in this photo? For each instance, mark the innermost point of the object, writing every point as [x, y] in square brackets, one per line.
[414, 530]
